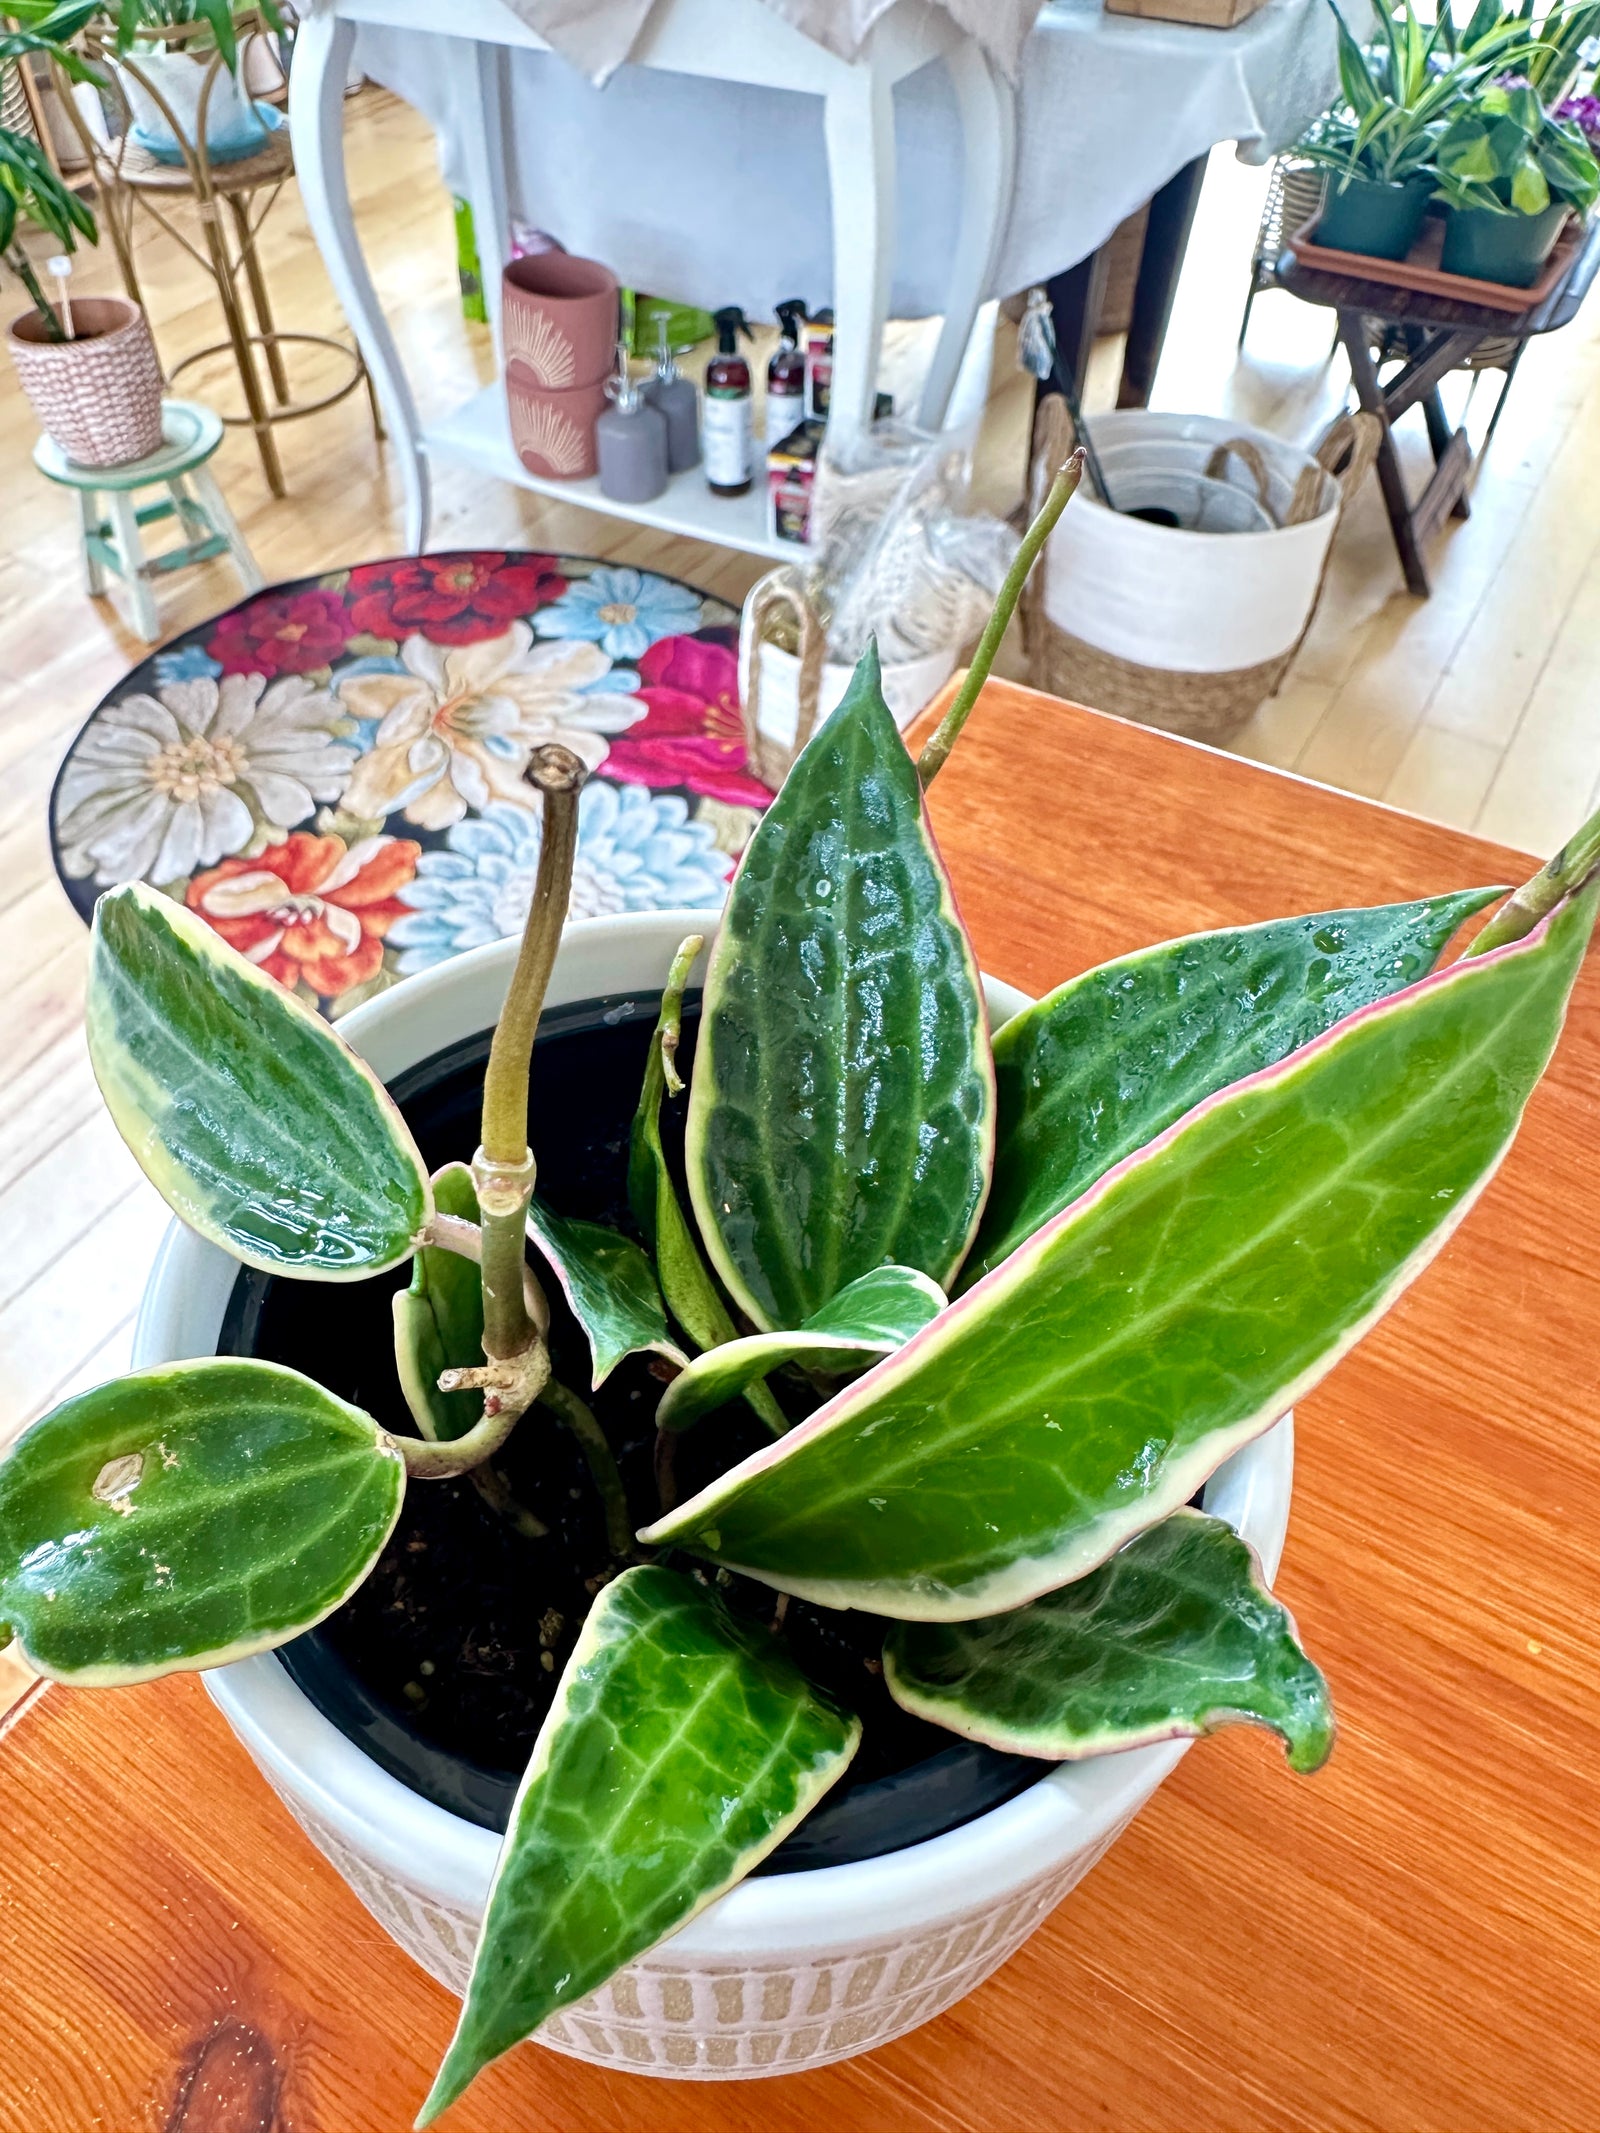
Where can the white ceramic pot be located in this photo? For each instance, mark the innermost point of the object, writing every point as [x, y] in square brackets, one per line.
[785, 1971]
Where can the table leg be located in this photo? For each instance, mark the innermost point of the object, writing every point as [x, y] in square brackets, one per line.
[1076, 298]
[1166, 239]
[250, 259]
[316, 123]
[215, 506]
[94, 571]
[477, 74]
[989, 153]
[1391, 480]
[1440, 438]
[858, 125]
[130, 549]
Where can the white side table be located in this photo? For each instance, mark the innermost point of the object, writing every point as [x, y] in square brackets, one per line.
[728, 40]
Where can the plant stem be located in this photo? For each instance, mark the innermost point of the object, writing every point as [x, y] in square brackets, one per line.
[943, 738]
[510, 1389]
[671, 1017]
[453, 1233]
[579, 1418]
[22, 266]
[1536, 899]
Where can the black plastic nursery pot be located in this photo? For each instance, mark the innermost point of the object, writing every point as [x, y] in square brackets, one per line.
[1374, 217]
[442, 1666]
[1495, 247]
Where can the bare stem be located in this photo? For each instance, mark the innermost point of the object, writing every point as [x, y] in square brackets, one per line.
[452, 1233]
[671, 1022]
[499, 1495]
[579, 1418]
[943, 738]
[1536, 899]
[509, 1390]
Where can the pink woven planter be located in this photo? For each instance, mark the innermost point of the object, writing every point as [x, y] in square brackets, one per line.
[98, 396]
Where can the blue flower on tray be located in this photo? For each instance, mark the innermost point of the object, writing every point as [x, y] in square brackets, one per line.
[186, 662]
[623, 611]
[637, 851]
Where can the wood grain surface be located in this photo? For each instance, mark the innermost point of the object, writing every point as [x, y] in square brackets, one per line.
[1409, 1941]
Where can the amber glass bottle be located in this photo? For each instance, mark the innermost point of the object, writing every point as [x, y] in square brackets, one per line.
[727, 437]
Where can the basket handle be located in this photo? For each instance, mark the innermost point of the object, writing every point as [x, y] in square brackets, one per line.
[1241, 448]
[780, 589]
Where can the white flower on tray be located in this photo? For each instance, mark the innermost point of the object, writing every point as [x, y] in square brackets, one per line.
[163, 783]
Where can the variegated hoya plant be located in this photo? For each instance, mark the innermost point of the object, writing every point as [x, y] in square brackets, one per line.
[1038, 1286]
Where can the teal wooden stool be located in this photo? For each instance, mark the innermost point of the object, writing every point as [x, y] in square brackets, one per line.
[112, 521]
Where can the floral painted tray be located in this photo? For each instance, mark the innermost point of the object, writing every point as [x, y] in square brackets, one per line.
[331, 772]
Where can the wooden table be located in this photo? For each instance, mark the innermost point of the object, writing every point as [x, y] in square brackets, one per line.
[1410, 1940]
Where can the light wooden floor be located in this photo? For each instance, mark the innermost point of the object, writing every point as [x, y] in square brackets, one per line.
[1473, 707]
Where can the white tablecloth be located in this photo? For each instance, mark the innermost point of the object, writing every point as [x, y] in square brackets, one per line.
[717, 193]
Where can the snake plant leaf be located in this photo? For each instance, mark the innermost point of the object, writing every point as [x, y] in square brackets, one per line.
[257, 1125]
[842, 1111]
[686, 1283]
[188, 1515]
[682, 1746]
[872, 1317]
[1086, 1388]
[1109, 1060]
[438, 1320]
[610, 1285]
[1173, 1637]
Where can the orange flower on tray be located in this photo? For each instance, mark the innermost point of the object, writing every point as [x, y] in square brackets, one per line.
[311, 908]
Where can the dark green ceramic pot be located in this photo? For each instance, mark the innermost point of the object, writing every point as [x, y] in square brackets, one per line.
[1509, 248]
[1377, 219]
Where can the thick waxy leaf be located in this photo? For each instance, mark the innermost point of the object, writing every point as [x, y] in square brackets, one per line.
[186, 1516]
[842, 1113]
[1172, 1638]
[686, 1282]
[610, 1285]
[438, 1321]
[682, 1746]
[1106, 1062]
[1089, 1385]
[873, 1317]
[257, 1125]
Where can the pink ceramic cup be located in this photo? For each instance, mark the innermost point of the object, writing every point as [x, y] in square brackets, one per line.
[560, 321]
[553, 433]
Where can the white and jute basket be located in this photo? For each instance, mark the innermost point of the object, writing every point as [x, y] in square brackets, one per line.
[98, 395]
[1185, 630]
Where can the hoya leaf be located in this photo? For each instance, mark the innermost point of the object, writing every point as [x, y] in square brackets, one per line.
[1103, 1064]
[872, 1317]
[842, 1112]
[682, 1746]
[257, 1125]
[610, 1285]
[186, 1516]
[686, 1283]
[438, 1320]
[1087, 1387]
[1175, 1636]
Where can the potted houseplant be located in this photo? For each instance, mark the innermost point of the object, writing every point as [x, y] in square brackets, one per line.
[177, 65]
[1378, 142]
[89, 369]
[1510, 173]
[1163, 1201]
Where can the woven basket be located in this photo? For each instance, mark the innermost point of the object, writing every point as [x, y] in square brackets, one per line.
[98, 396]
[1203, 705]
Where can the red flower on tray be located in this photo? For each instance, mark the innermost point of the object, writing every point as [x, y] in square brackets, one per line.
[452, 599]
[693, 733]
[282, 633]
[312, 907]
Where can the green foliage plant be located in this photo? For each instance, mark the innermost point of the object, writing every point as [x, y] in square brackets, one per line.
[1025, 1291]
[32, 190]
[1506, 153]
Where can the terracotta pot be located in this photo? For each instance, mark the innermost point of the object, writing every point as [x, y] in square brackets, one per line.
[553, 432]
[560, 321]
[98, 396]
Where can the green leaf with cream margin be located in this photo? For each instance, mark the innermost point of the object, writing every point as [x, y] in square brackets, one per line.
[438, 1320]
[1107, 1061]
[842, 1111]
[1173, 1637]
[610, 1285]
[683, 1745]
[1088, 1386]
[186, 1516]
[257, 1125]
[873, 1317]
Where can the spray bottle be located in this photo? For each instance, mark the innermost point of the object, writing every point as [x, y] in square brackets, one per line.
[727, 432]
[786, 375]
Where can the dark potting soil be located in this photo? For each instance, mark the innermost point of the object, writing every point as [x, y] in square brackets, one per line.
[444, 1663]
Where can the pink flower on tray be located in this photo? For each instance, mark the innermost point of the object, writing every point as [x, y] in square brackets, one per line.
[692, 732]
[311, 908]
[451, 599]
[282, 633]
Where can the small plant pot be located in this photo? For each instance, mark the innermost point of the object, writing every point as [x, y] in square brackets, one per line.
[1509, 248]
[790, 1970]
[554, 432]
[166, 86]
[1380, 220]
[99, 395]
[559, 320]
